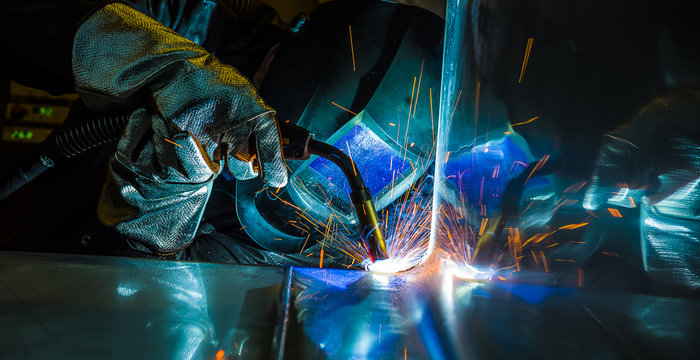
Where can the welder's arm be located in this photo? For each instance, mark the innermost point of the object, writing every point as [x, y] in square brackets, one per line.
[198, 113]
[654, 164]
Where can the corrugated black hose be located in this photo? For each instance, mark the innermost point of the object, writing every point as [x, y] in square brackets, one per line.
[63, 145]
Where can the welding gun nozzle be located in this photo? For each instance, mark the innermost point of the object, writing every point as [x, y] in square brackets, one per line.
[369, 223]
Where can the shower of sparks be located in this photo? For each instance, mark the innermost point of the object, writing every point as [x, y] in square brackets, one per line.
[526, 58]
[460, 224]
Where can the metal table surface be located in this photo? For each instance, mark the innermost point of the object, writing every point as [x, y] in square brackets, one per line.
[86, 307]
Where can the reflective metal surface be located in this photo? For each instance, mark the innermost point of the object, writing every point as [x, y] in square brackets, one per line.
[79, 307]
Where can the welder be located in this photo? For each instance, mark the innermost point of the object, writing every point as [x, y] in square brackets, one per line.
[193, 112]
[193, 121]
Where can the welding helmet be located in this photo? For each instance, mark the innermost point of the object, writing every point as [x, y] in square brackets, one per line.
[363, 76]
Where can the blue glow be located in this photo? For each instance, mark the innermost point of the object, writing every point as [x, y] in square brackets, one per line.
[371, 155]
[531, 294]
[337, 278]
[480, 175]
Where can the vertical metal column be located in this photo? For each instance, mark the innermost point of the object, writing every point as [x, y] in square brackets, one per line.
[278, 342]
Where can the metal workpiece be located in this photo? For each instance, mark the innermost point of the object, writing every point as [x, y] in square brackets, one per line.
[74, 307]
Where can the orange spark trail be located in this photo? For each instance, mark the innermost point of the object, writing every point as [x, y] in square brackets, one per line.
[575, 187]
[615, 212]
[573, 226]
[432, 122]
[352, 48]
[580, 277]
[528, 47]
[525, 122]
[455, 108]
[408, 121]
[343, 108]
[420, 77]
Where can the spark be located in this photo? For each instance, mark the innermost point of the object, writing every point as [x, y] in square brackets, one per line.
[612, 254]
[343, 108]
[172, 142]
[484, 221]
[352, 47]
[525, 122]
[538, 166]
[615, 212]
[408, 121]
[220, 354]
[455, 108]
[528, 48]
[573, 226]
[580, 277]
[544, 261]
[575, 187]
[420, 77]
[354, 169]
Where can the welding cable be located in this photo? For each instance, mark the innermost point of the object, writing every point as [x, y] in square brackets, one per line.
[510, 206]
[361, 198]
[65, 145]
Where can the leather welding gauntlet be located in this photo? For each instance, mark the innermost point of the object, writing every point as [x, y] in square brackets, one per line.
[194, 112]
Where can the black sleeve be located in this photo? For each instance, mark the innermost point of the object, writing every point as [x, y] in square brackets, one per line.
[37, 41]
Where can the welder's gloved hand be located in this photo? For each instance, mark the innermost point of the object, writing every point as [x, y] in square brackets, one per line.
[654, 163]
[195, 112]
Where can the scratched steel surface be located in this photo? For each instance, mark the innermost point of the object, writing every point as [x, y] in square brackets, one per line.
[80, 307]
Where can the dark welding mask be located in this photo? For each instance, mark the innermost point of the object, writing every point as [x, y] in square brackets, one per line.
[363, 76]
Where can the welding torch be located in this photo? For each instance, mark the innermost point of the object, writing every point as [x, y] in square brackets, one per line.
[486, 245]
[298, 144]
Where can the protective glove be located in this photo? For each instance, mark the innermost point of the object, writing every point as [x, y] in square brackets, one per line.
[654, 163]
[198, 112]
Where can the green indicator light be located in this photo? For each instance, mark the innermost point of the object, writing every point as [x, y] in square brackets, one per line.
[14, 134]
[21, 135]
[45, 110]
[29, 135]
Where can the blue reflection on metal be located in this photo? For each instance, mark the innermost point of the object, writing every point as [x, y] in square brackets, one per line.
[371, 156]
[480, 175]
[349, 320]
[531, 294]
[430, 337]
[337, 278]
